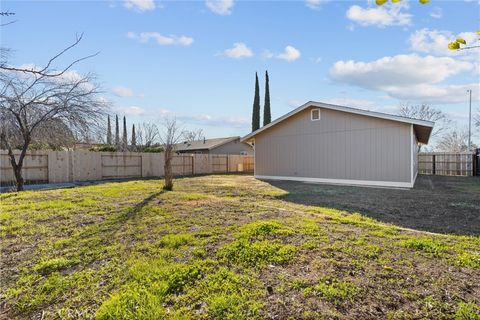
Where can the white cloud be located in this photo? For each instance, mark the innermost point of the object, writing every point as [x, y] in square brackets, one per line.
[239, 51]
[397, 70]
[387, 15]
[84, 81]
[406, 77]
[208, 120]
[204, 119]
[139, 5]
[160, 39]
[441, 94]
[122, 91]
[290, 54]
[436, 13]
[131, 111]
[295, 103]
[220, 7]
[350, 102]
[315, 4]
[436, 42]
[187, 118]
[267, 54]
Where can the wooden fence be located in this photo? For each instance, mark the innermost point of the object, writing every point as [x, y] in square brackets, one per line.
[71, 166]
[448, 163]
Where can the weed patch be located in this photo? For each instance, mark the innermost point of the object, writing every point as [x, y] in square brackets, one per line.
[334, 290]
[47, 266]
[425, 244]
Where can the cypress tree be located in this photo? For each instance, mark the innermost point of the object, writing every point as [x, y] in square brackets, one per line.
[109, 131]
[134, 137]
[124, 138]
[256, 106]
[267, 116]
[117, 133]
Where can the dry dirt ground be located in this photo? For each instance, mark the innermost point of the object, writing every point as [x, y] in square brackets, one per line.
[435, 204]
[232, 247]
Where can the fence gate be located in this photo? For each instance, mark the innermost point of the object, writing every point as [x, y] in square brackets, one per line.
[118, 166]
[219, 163]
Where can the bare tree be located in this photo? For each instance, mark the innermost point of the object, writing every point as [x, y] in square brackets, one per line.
[193, 135]
[455, 140]
[147, 134]
[170, 136]
[429, 113]
[47, 70]
[34, 104]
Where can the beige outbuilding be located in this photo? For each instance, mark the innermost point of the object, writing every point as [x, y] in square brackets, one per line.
[325, 143]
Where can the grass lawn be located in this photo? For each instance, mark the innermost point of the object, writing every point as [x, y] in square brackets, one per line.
[223, 247]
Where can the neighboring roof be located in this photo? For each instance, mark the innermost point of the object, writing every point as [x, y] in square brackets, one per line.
[422, 128]
[207, 144]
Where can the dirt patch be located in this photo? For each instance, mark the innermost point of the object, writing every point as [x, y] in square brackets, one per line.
[435, 204]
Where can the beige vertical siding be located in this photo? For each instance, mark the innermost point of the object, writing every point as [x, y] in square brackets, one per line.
[414, 155]
[339, 146]
[233, 147]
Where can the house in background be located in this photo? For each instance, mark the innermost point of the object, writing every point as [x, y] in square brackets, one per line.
[326, 143]
[229, 145]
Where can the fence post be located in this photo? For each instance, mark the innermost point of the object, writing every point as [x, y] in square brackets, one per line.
[475, 162]
[193, 164]
[433, 164]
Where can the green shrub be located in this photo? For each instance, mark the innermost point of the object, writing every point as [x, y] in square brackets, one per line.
[104, 148]
[153, 149]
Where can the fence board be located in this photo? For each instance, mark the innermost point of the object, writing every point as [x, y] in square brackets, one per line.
[446, 163]
[81, 165]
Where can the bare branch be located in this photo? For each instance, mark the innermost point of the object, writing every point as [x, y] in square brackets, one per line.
[46, 71]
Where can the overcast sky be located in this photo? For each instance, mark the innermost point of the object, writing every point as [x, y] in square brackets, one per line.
[197, 60]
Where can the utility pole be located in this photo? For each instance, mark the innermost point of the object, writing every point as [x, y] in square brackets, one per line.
[470, 121]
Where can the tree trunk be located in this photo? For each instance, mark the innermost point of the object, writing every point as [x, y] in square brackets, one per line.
[168, 171]
[17, 166]
[19, 179]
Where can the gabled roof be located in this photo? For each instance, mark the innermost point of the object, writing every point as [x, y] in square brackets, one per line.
[422, 128]
[207, 144]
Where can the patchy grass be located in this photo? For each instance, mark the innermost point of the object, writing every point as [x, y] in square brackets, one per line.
[224, 247]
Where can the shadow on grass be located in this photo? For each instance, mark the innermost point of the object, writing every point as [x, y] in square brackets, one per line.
[133, 211]
[435, 204]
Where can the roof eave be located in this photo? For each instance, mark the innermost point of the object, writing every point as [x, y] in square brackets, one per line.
[249, 137]
[223, 142]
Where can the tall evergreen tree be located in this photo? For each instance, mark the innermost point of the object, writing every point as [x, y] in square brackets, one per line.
[267, 116]
[124, 138]
[109, 131]
[256, 106]
[133, 142]
[117, 133]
